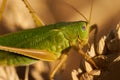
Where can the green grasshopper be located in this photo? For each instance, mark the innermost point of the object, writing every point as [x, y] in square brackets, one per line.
[47, 43]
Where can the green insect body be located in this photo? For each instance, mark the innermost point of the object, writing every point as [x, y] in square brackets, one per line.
[51, 38]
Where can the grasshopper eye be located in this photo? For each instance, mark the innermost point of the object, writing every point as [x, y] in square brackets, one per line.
[83, 27]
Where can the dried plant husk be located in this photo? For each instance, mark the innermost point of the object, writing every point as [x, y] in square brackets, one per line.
[107, 60]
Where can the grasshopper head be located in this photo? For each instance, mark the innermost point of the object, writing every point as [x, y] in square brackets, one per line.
[83, 34]
[82, 29]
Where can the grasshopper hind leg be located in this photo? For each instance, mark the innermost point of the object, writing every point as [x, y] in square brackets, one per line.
[2, 8]
[35, 17]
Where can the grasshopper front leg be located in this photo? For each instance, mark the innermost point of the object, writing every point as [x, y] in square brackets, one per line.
[87, 57]
[94, 27]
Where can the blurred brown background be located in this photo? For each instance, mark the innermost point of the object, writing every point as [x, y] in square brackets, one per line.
[106, 14]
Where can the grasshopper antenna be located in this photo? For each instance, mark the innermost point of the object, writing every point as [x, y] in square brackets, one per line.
[77, 11]
[90, 16]
[81, 13]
